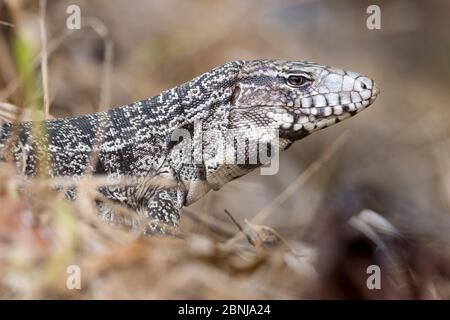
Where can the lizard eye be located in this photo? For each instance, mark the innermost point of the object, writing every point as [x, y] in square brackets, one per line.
[297, 80]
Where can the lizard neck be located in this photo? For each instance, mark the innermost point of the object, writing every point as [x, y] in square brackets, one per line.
[183, 105]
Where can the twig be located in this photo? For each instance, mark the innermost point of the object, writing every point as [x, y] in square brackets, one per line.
[105, 93]
[52, 46]
[217, 226]
[234, 220]
[103, 181]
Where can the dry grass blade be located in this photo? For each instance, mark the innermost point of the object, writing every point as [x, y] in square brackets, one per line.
[16, 83]
[378, 222]
[260, 236]
[212, 224]
[6, 24]
[238, 225]
[10, 113]
[44, 57]
[52, 46]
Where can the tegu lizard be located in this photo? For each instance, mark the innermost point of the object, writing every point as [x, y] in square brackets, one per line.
[270, 103]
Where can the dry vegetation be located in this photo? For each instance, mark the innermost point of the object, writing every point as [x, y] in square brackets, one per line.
[378, 193]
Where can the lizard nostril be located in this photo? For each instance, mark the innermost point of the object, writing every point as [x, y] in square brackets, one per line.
[363, 86]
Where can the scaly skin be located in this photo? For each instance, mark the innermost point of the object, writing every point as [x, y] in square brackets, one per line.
[269, 101]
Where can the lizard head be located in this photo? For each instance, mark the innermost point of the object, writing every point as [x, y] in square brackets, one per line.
[273, 103]
[297, 97]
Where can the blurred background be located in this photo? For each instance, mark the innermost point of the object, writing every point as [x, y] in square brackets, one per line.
[395, 160]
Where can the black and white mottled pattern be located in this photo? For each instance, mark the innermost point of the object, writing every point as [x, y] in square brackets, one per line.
[253, 99]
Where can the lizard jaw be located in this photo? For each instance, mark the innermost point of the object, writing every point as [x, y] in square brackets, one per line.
[339, 109]
[316, 118]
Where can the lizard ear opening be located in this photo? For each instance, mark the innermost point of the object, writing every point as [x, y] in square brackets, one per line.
[235, 95]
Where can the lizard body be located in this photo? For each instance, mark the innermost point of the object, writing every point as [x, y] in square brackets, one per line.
[277, 102]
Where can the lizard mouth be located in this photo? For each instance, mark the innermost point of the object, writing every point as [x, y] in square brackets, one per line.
[339, 109]
[355, 102]
[315, 118]
[351, 107]
[300, 120]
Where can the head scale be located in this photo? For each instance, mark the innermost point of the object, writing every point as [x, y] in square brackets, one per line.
[297, 97]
